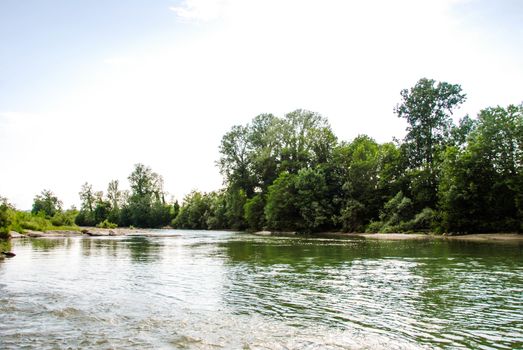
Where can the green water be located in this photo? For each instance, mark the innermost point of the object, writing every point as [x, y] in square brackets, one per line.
[209, 290]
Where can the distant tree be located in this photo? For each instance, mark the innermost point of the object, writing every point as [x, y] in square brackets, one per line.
[5, 219]
[87, 197]
[86, 215]
[194, 212]
[47, 203]
[115, 200]
[146, 202]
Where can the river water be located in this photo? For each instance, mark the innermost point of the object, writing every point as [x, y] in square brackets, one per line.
[224, 290]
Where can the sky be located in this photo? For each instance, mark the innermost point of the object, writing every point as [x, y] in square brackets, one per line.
[90, 88]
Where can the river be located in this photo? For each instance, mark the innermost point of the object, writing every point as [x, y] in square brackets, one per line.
[225, 290]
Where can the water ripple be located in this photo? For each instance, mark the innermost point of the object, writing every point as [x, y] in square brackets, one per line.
[218, 290]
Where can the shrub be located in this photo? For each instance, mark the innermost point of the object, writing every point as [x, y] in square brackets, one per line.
[106, 224]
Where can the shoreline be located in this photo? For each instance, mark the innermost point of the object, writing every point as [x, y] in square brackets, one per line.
[130, 232]
[473, 237]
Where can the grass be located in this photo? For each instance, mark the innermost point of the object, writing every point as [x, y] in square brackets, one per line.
[21, 221]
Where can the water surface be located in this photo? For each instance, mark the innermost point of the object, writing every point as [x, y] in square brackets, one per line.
[223, 290]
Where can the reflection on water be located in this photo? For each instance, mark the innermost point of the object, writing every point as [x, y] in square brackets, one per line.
[136, 249]
[5, 245]
[206, 290]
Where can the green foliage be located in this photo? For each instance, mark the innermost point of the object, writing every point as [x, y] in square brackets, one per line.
[235, 202]
[428, 108]
[21, 220]
[352, 216]
[362, 197]
[5, 217]
[313, 200]
[194, 212]
[394, 215]
[281, 211]
[66, 218]
[47, 203]
[106, 224]
[291, 173]
[481, 186]
[254, 212]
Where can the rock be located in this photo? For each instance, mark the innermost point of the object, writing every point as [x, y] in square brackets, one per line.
[14, 234]
[34, 234]
[97, 233]
[52, 233]
[56, 233]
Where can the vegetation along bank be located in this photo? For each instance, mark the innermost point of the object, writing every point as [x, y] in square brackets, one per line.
[291, 173]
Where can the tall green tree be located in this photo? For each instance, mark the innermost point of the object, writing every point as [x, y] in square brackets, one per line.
[235, 162]
[427, 108]
[115, 200]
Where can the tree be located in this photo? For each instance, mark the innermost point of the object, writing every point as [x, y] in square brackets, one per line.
[300, 202]
[307, 140]
[281, 210]
[235, 201]
[235, 162]
[254, 212]
[428, 108]
[482, 184]
[265, 137]
[47, 203]
[146, 202]
[313, 200]
[5, 219]
[361, 196]
[194, 212]
[115, 200]
[87, 197]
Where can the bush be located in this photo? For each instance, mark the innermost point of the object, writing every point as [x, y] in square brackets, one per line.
[106, 224]
[374, 227]
[352, 216]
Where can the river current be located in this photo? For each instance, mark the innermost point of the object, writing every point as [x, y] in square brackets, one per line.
[226, 290]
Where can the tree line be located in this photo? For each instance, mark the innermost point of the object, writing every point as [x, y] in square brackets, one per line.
[291, 173]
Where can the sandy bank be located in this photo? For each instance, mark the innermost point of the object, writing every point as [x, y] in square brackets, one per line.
[478, 237]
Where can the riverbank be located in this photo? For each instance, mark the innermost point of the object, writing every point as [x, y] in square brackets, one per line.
[126, 231]
[477, 237]
[90, 231]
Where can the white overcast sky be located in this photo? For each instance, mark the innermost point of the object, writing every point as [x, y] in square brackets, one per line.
[87, 89]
